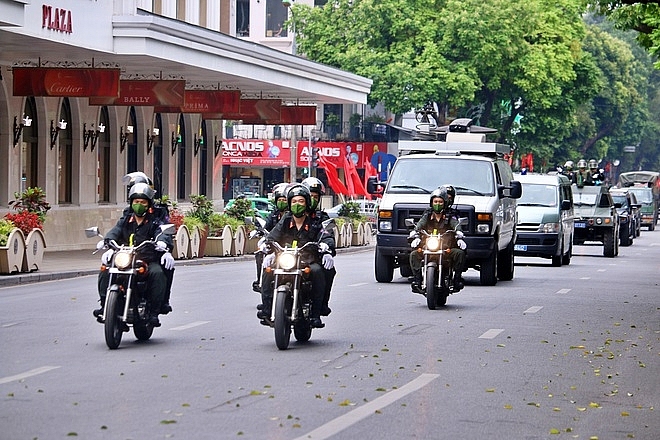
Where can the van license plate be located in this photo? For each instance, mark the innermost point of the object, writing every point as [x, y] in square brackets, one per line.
[520, 247]
[580, 225]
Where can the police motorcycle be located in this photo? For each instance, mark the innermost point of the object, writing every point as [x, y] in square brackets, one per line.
[126, 301]
[292, 300]
[437, 273]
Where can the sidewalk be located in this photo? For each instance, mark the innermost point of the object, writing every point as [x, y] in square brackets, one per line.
[61, 265]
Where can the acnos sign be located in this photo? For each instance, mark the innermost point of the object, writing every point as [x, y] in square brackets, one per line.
[242, 148]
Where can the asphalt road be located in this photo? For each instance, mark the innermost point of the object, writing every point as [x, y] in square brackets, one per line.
[568, 352]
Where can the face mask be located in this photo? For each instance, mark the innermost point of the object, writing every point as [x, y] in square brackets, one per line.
[138, 209]
[281, 205]
[315, 203]
[298, 210]
[438, 208]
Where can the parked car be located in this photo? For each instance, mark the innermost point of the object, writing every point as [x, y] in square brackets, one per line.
[367, 208]
[629, 215]
[262, 205]
[545, 218]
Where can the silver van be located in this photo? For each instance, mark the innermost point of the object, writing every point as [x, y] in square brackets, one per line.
[545, 218]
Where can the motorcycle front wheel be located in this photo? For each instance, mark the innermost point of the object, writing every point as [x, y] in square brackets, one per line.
[283, 305]
[431, 277]
[114, 308]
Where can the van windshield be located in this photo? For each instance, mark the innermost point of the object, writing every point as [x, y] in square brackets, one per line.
[538, 195]
[472, 177]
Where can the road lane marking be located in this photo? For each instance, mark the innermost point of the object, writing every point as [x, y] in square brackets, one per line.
[30, 373]
[533, 309]
[357, 284]
[362, 412]
[490, 334]
[560, 291]
[585, 278]
[191, 325]
[9, 324]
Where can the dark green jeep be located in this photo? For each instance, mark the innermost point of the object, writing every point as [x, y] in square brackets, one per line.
[596, 218]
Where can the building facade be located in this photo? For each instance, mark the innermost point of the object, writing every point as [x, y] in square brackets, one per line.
[78, 148]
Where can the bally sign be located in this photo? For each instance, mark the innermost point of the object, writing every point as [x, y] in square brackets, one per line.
[146, 93]
[44, 81]
[255, 152]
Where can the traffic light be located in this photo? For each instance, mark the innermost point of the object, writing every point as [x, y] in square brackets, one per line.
[315, 157]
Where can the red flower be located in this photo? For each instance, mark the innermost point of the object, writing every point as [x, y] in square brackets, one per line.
[176, 218]
[25, 221]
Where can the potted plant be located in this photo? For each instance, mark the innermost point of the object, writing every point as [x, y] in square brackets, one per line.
[31, 207]
[331, 125]
[199, 217]
[12, 247]
[354, 121]
[220, 236]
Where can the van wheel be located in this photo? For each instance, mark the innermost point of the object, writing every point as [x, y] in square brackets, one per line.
[488, 271]
[384, 267]
[624, 236]
[557, 259]
[505, 264]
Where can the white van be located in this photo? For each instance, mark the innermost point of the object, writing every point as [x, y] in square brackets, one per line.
[545, 218]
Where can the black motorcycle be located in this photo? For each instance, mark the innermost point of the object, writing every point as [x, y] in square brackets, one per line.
[292, 297]
[437, 273]
[126, 302]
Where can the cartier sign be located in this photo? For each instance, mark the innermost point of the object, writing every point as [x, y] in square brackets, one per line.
[45, 81]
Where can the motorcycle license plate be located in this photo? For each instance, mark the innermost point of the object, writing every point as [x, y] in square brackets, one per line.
[520, 247]
[580, 225]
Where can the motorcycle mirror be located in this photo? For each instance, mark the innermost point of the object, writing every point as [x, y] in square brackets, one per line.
[409, 222]
[329, 225]
[463, 221]
[167, 229]
[92, 232]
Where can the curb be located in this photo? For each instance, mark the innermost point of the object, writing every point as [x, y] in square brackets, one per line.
[38, 277]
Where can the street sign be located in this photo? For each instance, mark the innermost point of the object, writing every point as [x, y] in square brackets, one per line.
[629, 149]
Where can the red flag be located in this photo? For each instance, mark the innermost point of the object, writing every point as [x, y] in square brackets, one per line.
[530, 162]
[347, 177]
[333, 179]
[369, 171]
[355, 178]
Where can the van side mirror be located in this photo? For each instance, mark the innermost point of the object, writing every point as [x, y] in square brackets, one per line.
[565, 204]
[515, 190]
[374, 186]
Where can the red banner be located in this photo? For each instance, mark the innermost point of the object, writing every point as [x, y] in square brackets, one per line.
[289, 115]
[168, 93]
[256, 152]
[206, 101]
[46, 81]
[256, 111]
[334, 152]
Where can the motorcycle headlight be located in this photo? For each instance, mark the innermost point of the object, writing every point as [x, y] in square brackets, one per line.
[286, 261]
[433, 243]
[122, 260]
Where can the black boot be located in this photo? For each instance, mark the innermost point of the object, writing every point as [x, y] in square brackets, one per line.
[256, 287]
[316, 322]
[416, 284]
[458, 282]
[98, 313]
[165, 308]
[153, 319]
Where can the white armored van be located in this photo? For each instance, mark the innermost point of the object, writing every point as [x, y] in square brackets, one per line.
[486, 195]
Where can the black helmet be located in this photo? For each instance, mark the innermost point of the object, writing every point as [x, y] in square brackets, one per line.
[279, 190]
[451, 192]
[314, 185]
[442, 193]
[131, 179]
[299, 190]
[141, 191]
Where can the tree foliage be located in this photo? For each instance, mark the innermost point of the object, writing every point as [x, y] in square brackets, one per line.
[551, 83]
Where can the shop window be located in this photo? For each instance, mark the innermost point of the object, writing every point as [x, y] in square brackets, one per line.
[276, 16]
[65, 156]
[103, 148]
[242, 18]
[30, 148]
